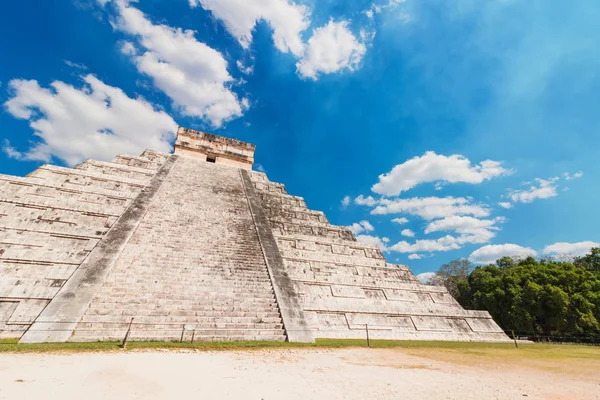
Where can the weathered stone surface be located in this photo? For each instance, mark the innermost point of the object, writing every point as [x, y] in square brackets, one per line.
[344, 285]
[194, 246]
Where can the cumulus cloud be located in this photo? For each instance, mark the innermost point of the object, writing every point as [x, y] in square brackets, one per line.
[505, 204]
[462, 224]
[400, 220]
[287, 19]
[365, 201]
[544, 189]
[490, 253]
[94, 121]
[571, 249]
[346, 201]
[245, 69]
[432, 167]
[407, 232]
[362, 226]
[414, 256]
[427, 278]
[430, 207]
[331, 48]
[479, 230]
[75, 65]
[576, 175]
[191, 73]
[379, 242]
[445, 243]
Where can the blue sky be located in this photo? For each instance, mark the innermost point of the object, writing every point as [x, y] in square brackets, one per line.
[429, 113]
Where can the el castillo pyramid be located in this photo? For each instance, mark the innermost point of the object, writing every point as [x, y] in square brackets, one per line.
[196, 245]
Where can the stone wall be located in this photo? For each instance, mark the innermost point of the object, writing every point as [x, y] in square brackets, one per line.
[344, 285]
[51, 220]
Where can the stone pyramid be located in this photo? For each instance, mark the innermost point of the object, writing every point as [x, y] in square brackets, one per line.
[195, 245]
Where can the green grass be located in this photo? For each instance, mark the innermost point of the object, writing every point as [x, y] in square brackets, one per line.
[548, 350]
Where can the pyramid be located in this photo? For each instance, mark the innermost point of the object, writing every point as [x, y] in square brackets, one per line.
[195, 245]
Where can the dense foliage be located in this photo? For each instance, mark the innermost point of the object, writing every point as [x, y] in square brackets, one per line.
[543, 296]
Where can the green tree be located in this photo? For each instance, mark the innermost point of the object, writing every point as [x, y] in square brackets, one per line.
[454, 274]
[591, 261]
[537, 296]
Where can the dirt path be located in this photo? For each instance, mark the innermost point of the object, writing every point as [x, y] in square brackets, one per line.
[281, 374]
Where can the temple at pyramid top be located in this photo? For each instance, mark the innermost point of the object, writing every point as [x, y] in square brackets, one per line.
[214, 148]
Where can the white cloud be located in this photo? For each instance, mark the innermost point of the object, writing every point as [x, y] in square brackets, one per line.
[462, 224]
[407, 232]
[570, 249]
[477, 230]
[95, 121]
[445, 243]
[377, 8]
[11, 152]
[287, 19]
[362, 226]
[430, 207]
[400, 220]
[75, 65]
[490, 253]
[365, 201]
[426, 278]
[191, 73]
[544, 189]
[505, 204]
[379, 242]
[576, 175]
[245, 69]
[346, 201]
[414, 256]
[331, 48]
[432, 167]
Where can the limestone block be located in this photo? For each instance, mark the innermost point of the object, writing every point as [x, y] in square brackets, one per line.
[348, 291]
[113, 169]
[35, 246]
[22, 288]
[52, 220]
[427, 323]
[7, 309]
[400, 295]
[61, 182]
[380, 322]
[443, 298]
[483, 325]
[332, 258]
[27, 311]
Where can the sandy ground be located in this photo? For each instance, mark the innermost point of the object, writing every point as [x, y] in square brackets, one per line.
[284, 374]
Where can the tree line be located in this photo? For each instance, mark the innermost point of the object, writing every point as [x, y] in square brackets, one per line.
[531, 296]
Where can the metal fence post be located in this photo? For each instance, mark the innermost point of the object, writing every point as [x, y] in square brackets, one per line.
[182, 333]
[124, 344]
[193, 334]
[515, 339]
[368, 340]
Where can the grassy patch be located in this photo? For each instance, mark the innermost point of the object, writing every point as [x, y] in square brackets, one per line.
[425, 348]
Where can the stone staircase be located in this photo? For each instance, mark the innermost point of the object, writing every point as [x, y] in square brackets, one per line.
[193, 267]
